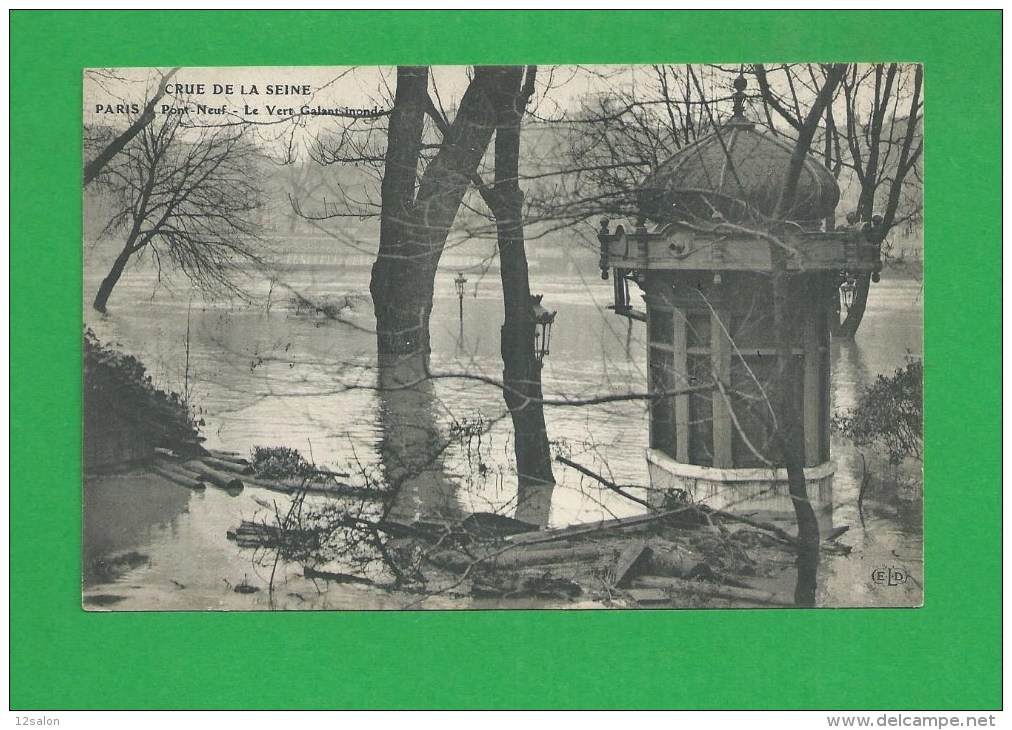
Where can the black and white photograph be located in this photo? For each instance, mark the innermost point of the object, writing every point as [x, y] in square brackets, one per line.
[503, 337]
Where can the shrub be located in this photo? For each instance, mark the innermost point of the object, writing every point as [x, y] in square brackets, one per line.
[889, 414]
[121, 402]
[278, 462]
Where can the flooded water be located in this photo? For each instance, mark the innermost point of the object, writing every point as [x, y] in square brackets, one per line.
[887, 533]
[278, 376]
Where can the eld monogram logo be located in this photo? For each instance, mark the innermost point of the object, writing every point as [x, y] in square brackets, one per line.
[889, 575]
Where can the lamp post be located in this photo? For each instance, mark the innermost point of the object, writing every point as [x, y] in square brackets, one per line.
[458, 284]
[543, 320]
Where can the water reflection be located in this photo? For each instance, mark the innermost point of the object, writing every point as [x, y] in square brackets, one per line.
[123, 512]
[412, 445]
[534, 503]
[886, 521]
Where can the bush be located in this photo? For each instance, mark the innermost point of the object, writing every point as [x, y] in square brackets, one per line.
[889, 414]
[122, 402]
[278, 462]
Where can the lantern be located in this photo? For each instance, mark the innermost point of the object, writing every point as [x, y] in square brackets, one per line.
[847, 289]
[458, 284]
[543, 320]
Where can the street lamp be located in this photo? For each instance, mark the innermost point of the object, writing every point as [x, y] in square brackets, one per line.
[847, 288]
[543, 320]
[458, 284]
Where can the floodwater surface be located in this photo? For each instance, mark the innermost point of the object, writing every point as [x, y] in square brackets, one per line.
[282, 375]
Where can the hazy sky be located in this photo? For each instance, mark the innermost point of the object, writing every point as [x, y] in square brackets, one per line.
[269, 98]
[364, 87]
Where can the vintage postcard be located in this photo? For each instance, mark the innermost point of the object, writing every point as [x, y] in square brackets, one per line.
[503, 337]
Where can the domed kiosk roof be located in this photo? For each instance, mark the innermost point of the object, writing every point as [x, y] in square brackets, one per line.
[741, 166]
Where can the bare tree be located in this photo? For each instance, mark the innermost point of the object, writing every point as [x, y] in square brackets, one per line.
[790, 435]
[610, 143]
[521, 368]
[116, 143]
[884, 149]
[417, 215]
[188, 196]
[879, 142]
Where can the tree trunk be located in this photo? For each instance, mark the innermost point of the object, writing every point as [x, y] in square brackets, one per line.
[415, 220]
[791, 439]
[792, 445]
[102, 298]
[848, 328]
[411, 444]
[413, 228]
[397, 193]
[521, 369]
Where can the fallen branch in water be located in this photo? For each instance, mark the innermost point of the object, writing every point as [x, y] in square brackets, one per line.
[766, 526]
[678, 586]
[313, 573]
[606, 482]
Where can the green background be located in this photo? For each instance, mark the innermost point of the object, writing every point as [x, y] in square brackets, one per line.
[943, 656]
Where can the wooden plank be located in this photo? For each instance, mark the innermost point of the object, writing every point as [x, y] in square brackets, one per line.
[649, 595]
[490, 524]
[522, 557]
[630, 561]
[517, 557]
[587, 529]
[271, 486]
[327, 490]
[709, 590]
[553, 545]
